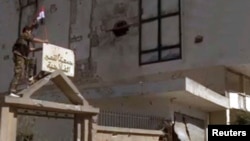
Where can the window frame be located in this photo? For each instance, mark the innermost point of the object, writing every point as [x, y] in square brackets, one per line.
[158, 18]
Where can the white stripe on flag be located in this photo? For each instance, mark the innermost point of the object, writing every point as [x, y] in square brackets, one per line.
[41, 16]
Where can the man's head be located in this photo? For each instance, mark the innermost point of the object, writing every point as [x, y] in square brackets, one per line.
[27, 29]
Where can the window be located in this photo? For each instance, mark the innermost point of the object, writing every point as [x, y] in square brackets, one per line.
[159, 31]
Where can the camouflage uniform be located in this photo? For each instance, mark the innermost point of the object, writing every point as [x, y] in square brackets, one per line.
[20, 53]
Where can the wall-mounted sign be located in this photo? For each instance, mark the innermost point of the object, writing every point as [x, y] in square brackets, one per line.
[58, 58]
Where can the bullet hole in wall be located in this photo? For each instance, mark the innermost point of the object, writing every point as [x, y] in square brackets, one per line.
[6, 57]
[53, 8]
[120, 28]
[198, 39]
[3, 46]
[25, 137]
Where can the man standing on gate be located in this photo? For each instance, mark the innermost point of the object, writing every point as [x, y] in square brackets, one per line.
[21, 50]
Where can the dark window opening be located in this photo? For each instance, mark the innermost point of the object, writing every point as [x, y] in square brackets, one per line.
[159, 31]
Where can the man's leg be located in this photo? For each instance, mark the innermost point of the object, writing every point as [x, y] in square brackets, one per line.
[18, 71]
[39, 76]
[31, 70]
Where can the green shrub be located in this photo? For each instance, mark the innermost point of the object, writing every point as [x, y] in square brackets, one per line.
[243, 119]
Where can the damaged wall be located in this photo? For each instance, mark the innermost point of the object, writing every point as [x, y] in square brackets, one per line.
[85, 27]
[67, 24]
[8, 28]
[220, 44]
[111, 55]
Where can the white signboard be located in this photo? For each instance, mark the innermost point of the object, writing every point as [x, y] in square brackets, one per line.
[58, 58]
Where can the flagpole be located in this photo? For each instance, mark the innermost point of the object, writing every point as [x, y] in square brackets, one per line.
[45, 32]
[32, 23]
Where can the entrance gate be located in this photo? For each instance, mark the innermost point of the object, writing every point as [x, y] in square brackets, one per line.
[79, 107]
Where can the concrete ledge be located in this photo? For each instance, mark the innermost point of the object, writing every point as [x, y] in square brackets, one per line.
[183, 90]
[134, 131]
[49, 106]
[205, 93]
[196, 95]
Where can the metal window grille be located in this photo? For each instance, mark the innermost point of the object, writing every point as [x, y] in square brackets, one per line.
[129, 120]
[159, 31]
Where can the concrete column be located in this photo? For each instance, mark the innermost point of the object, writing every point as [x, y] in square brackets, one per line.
[8, 124]
[82, 128]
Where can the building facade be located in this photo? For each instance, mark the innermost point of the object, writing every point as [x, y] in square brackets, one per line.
[182, 61]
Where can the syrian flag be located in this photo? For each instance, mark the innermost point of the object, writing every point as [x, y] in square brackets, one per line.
[41, 16]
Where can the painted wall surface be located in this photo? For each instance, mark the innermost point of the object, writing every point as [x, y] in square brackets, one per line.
[8, 31]
[223, 43]
[151, 84]
[82, 25]
[64, 22]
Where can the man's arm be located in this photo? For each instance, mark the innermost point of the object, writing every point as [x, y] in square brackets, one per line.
[32, 49]
[29, 37]
[37, 40]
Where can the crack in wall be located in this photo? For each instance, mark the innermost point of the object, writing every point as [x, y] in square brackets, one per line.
[73, 11]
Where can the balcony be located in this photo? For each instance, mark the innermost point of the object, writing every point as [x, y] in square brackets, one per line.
[239, 101]
[184, 91]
